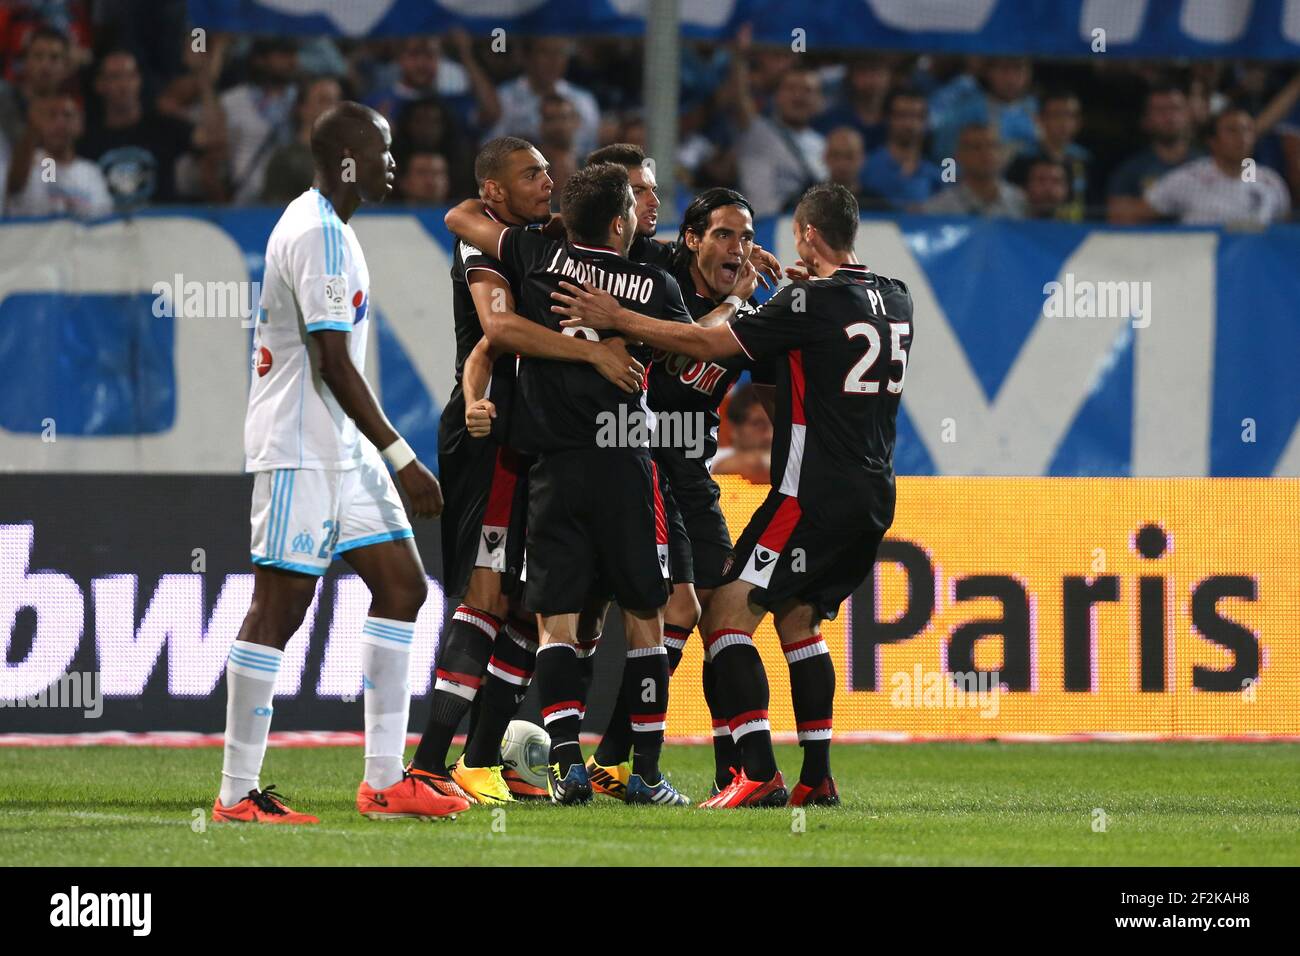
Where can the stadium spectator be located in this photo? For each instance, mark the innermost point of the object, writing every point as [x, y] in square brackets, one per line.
[749, 453]
[136, 148]
[1059, 121]
[779, 157]
[1048, 189]
[980, 189]
[546, 61]
[429, 126]
[423, 179]
[1225, 188]
[898, 171]
[845, 158]
[997, 94]
[862, 104]
[1167, 121]
[423, 72]
[259, 115]
[559, 130]
[46, 66]
[290, 170]
[47, 177]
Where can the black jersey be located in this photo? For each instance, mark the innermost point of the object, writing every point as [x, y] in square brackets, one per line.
[688, 387]
[563, 405]
[469, 331]
[652, 252]
[845, 340]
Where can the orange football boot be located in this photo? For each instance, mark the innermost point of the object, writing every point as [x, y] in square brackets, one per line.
[743, 792]
[409, 798]
[260, 806]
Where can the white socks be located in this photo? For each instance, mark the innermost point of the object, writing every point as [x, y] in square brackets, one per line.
[385, 673]
[251, 671]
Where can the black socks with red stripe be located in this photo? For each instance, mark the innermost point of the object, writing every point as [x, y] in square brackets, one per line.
[645, 686]
[462, 658]
[616, 742]
[725, 753]
[562, 696]
[812, 688]
[743, 683]
[509, 672]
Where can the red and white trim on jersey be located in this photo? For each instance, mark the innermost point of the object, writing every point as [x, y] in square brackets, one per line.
[462, 685]
[762, 560]
[748, 722]
[814, 730]
[496, 515]
[484, 622]
[661, 515]
[509, 673]
[738, 342]
[562, 709]
[798, 426]
[648, 723]
[721, 729]
[802, 650]
[724, 638]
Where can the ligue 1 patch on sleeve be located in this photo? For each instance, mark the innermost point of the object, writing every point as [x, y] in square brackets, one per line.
[336, 295]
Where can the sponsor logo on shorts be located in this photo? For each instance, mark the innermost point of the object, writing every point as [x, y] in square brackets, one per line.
[492, 548]
[759, 567]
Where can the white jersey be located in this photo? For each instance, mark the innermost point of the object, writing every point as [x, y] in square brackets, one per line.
[315, 279]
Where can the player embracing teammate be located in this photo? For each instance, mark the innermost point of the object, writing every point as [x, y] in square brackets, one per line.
[839, 339]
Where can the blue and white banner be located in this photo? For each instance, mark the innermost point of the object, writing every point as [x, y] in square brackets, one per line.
[1041, 348]
[1268, 29]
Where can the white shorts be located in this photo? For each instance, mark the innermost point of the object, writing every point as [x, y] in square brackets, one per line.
[304, 518]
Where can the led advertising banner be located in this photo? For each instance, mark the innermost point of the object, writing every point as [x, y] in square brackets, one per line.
[999, 607]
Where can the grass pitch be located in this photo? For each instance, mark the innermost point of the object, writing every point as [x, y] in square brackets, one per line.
[916, 804]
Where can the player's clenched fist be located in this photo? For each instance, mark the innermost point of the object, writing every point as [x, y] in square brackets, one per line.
[422, 490]
[478, 418]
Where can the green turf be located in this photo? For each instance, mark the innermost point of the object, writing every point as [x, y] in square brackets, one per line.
[1195, 804]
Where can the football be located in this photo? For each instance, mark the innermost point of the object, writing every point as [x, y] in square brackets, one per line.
[525, 748]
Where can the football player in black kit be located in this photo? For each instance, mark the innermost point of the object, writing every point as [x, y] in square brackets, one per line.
[842, 338]
[714, 245]
[484, 660]
[596, 522]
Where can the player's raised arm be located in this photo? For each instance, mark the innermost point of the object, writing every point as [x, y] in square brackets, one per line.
[710, 338]
[467, 221]
[507, 331]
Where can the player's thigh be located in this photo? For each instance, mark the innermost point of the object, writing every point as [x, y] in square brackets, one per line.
[561, 569]
[393, 573]
[484, 592]
[295, 519]
[796, 621]
[370, 509]
[731, 608]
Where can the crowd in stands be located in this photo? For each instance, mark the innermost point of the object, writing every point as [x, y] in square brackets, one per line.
[104, 108]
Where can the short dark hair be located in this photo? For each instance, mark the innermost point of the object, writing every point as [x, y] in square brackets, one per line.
[696, 217]
[832, 210]
[742, 401]
[1054, 96]
[623, 154]
[492, 157]
[46, 32]
[1042, 159]
[904, 93]
[592, 198]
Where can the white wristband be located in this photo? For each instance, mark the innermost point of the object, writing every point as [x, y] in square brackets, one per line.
[734, 301]
[399, 454]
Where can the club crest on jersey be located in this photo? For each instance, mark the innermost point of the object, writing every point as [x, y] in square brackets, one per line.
[303, 543]
[336, 295]
[262, 361]
[759, 567]
[362, 304]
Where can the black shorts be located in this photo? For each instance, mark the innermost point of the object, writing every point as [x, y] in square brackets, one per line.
[681, 562]
[785, 555]
[484, 489]
[693, 493]
[596, 525]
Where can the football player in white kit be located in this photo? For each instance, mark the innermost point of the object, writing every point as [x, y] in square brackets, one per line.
[321, 488]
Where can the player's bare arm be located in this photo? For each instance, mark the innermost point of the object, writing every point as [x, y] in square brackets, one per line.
[475, 376]
[356, 399]
[510, 332]
[466, 221]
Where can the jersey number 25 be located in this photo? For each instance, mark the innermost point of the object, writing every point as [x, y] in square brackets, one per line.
[856, 382]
